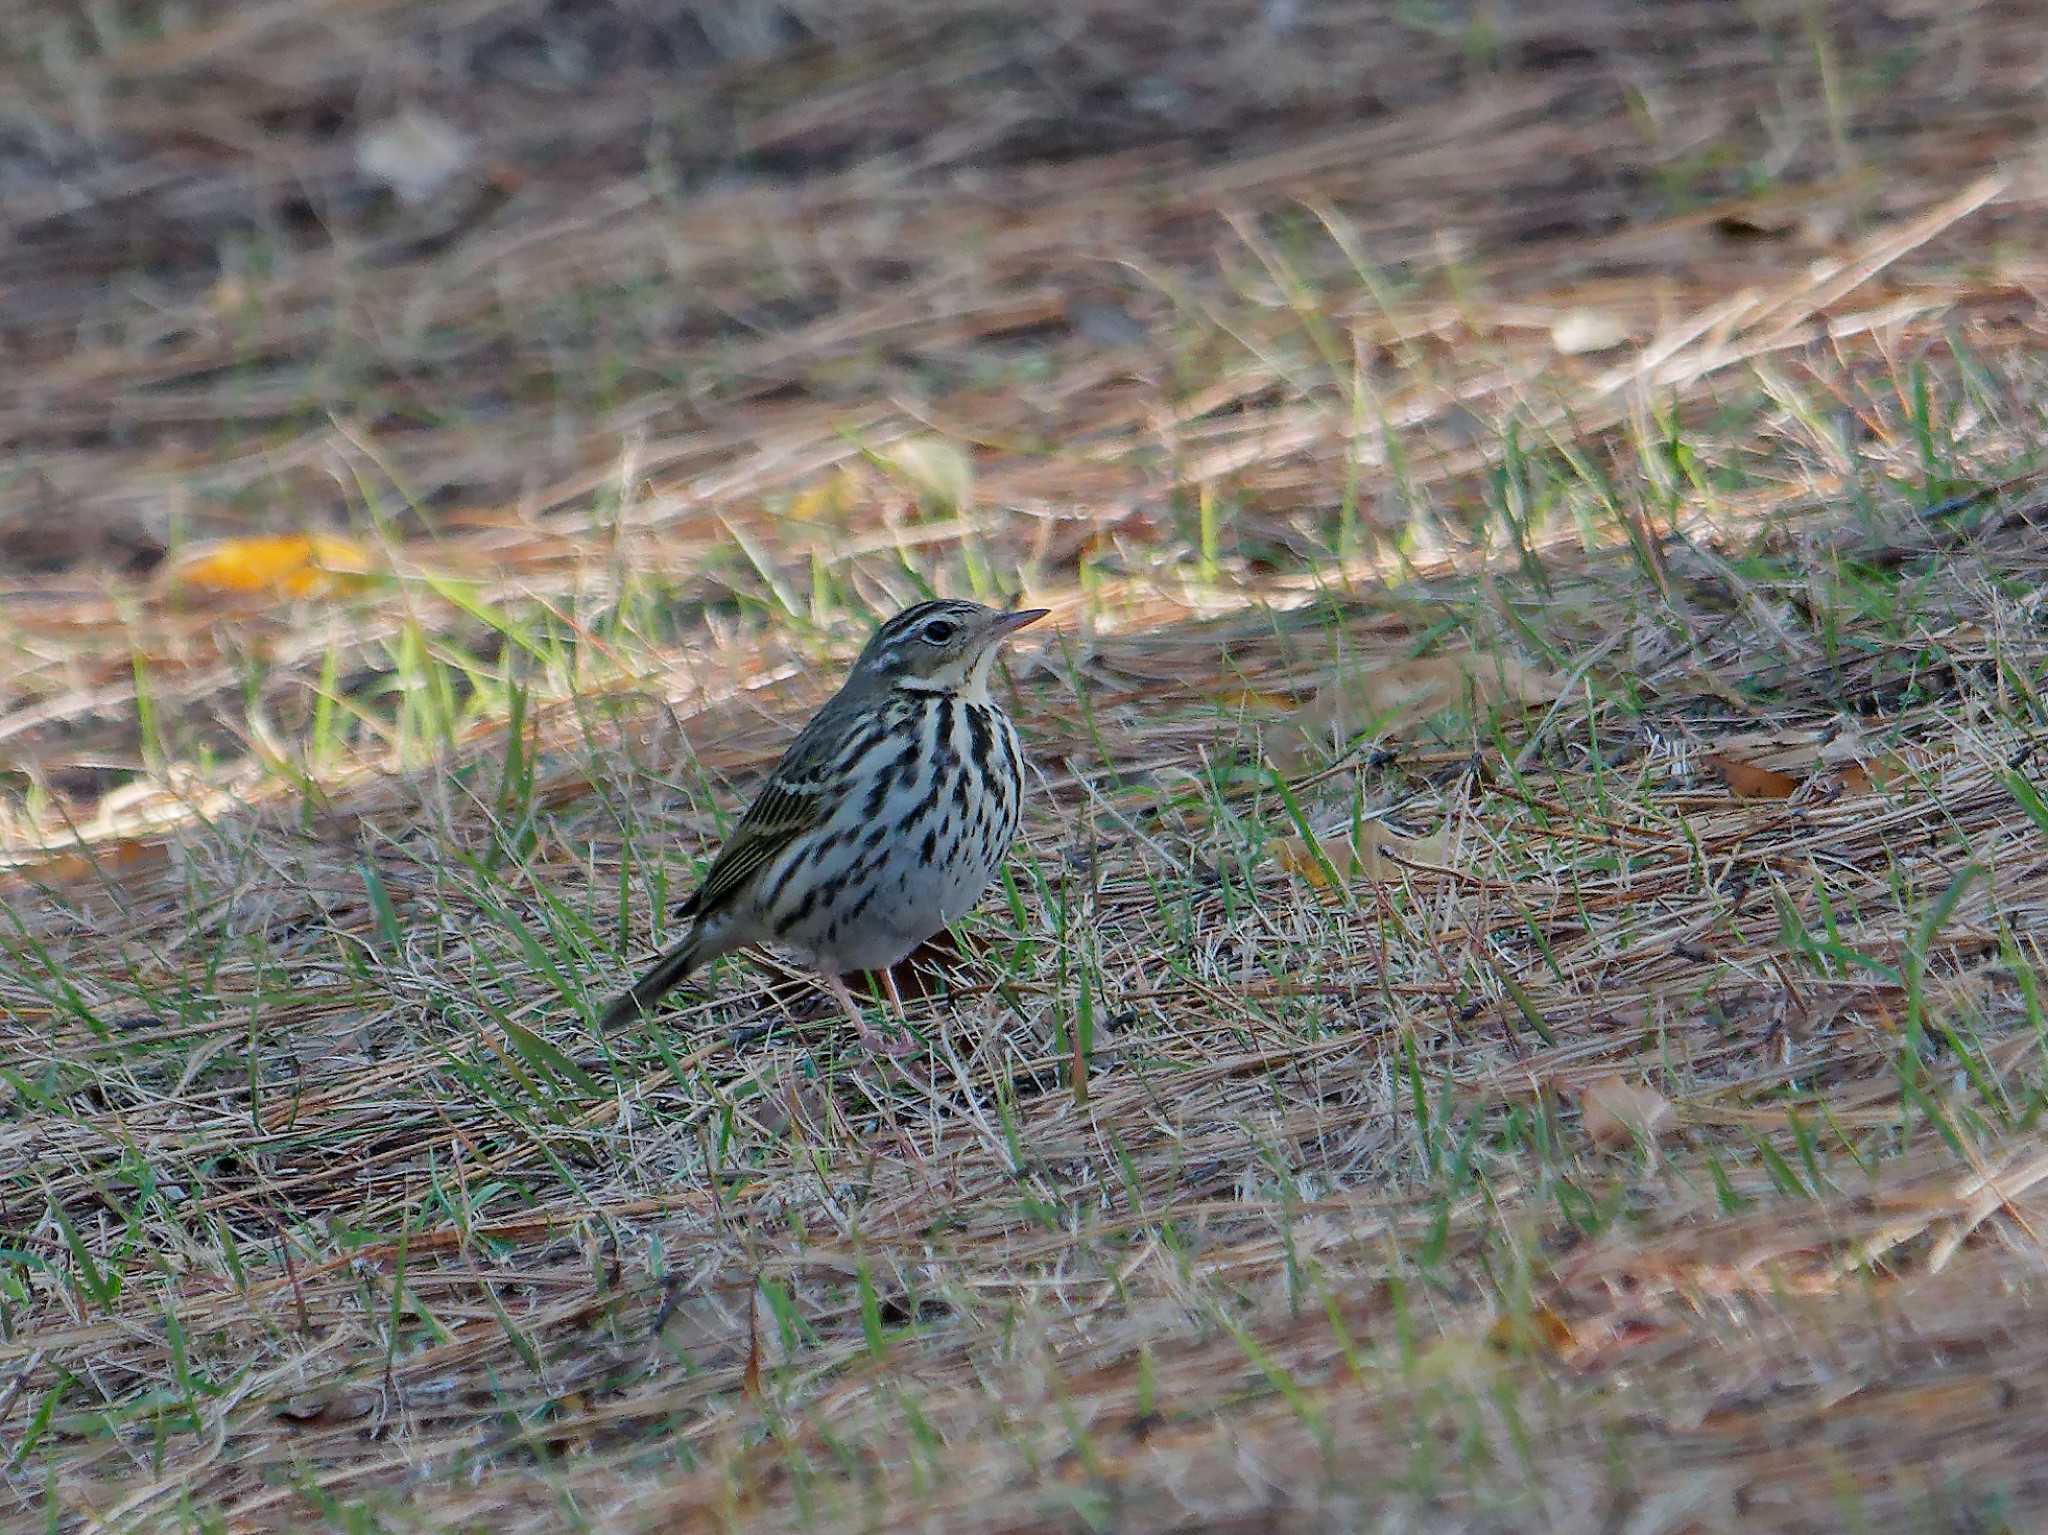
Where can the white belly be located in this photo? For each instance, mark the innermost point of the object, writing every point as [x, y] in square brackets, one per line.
[879, 878]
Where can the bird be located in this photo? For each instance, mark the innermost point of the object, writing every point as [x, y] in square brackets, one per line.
[881, 824]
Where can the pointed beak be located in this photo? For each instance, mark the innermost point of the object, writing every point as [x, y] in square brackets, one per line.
[1010, 623]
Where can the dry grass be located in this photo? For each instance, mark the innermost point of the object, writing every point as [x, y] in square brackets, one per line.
[1651, 1144]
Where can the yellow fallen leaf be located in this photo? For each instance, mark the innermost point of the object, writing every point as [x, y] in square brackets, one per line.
[830, 500]
[288, 564]
[1252, 701]
[1619, 1113]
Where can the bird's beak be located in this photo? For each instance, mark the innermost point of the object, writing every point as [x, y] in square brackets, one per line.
[1008, 623]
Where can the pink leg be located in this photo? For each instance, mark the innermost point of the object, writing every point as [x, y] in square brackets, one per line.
[895, 997]
[873, 1038]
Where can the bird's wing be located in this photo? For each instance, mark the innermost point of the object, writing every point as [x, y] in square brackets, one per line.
[795, 799]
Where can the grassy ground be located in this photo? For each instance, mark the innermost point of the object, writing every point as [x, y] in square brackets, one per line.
[1519, 1003]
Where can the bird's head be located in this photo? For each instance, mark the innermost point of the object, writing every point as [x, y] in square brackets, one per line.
[946, 646]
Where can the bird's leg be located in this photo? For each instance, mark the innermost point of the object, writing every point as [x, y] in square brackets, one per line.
[870, 1036]
[895, 997]
[910, 1041]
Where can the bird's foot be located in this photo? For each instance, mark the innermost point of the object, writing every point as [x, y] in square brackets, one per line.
[895, 1046]
[873, 1038]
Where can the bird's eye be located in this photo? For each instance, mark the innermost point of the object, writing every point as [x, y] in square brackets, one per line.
[940, 631]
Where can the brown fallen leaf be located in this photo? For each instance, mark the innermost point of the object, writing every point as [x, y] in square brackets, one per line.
[1767, 764]
[1372, 852]
[796, 1103]
[95, 862]
[1746, 780]
[1619, 1113]
[1707, 680]
[1540, 1330]
[1878, 773]
[1396, 695]
[325, 1408]
[751, 1381]
[704, 1326]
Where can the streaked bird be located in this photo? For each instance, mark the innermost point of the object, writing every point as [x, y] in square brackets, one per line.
[882, 823]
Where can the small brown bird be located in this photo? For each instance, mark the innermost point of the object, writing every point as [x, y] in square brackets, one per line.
[882, 823]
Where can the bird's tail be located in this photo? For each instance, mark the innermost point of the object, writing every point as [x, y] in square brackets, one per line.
[667, 974]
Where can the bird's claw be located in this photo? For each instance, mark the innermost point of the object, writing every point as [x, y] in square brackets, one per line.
[894, 1046]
